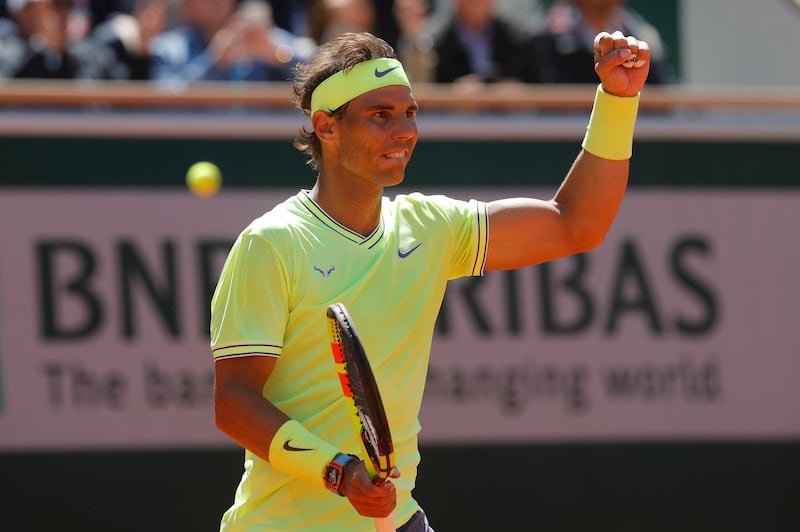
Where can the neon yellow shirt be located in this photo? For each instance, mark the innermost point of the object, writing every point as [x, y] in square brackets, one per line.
[284, 270]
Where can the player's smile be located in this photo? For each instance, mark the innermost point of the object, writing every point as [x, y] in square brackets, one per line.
[399, 156]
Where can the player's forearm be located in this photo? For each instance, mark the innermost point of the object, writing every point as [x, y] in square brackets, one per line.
[589, 198]
[592, 192]
[262, 428]
[250, 420]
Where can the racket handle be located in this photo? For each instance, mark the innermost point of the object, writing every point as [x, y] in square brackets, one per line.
[385, 524]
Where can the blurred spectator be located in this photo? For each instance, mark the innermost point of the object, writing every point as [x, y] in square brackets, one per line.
[7, 25]
[476, 44]
[563, 50]
[102, 10]
[130, 35]
[527, 13]
[220, 42]
[51, 43]
[291, 15]
[327, 19]
[414, 42]
[385, 25]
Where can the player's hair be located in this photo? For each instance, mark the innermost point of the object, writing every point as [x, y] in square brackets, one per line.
[346, 51]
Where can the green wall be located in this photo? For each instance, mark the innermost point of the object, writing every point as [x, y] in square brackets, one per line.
[35, 161]
[658, 487]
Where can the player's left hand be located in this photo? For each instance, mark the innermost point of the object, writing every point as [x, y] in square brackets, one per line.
[611, 52]
[369, 499]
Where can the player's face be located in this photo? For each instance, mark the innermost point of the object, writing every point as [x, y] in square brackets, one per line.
[377, 135]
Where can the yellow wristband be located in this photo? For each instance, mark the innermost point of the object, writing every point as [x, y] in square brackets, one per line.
[610, 131]
[297, 452]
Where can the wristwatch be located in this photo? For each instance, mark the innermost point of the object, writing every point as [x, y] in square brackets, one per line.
[334, 472]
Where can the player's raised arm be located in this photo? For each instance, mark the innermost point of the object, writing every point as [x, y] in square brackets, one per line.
[526, 231]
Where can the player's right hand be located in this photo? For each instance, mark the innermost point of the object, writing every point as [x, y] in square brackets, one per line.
[369, 499]
[611, 50]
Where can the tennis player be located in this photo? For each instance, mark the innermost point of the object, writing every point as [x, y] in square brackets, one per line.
[388, 260]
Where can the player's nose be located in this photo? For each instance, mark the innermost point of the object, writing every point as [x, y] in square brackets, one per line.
[404, 128]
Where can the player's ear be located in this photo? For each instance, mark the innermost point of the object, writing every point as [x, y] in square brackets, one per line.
[324, 125]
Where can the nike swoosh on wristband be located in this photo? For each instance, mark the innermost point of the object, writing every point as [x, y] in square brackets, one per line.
[404, 254]
[289, 447]
[381, 73]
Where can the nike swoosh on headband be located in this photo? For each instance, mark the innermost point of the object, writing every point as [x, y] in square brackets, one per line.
[381, 73]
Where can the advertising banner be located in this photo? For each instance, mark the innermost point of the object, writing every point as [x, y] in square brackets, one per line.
[680, 326]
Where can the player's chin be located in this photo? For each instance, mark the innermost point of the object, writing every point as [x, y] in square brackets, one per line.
[394, 170]
[393, 179]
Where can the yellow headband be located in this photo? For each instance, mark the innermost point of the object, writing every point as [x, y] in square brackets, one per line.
[347, 84]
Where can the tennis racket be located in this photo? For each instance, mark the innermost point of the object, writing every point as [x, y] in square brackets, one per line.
[367, 412]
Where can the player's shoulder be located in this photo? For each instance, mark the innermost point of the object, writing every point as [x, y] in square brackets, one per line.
[431, 204]
[278, 220]
[421, 199]
[276, 217]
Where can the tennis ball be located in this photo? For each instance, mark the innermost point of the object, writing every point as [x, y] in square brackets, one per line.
[204, 179]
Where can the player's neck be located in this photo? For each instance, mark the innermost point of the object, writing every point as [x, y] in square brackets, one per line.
[355, 208]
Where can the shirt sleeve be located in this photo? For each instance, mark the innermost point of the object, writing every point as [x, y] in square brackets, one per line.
[249, 309]
[460, 228]
[475, 238]
[468, 222]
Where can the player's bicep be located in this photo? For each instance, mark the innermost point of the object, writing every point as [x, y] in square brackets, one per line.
[238, 387]
[524, 232]
[242, 375]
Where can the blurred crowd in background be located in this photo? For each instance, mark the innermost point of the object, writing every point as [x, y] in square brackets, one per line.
[442, 41]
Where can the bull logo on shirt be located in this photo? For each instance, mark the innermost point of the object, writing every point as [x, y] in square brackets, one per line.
[325, 272]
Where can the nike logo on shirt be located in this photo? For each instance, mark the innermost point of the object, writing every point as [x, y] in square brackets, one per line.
[404, 254]
[381, 73]
[289, 447]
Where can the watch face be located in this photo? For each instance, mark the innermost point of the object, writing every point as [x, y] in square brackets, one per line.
[332, 475]
[334, 472]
